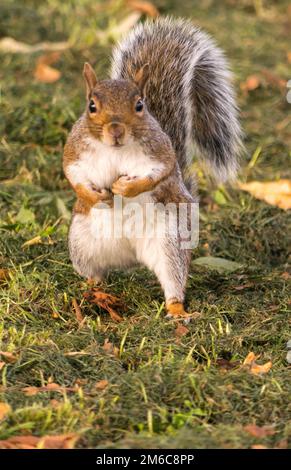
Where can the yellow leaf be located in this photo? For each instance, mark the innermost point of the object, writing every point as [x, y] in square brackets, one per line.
[62, 441]
[256, 369]
[4, 410]
[249, 359]
[276, 193]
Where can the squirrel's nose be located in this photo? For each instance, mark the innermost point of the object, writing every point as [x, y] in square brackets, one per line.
[116, 130]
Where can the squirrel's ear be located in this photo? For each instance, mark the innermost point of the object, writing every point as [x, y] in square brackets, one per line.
[141, 78]
[90, 77]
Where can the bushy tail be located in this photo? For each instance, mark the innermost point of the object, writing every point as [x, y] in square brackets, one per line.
[189, 91]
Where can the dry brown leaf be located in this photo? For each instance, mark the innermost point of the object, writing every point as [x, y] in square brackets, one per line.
[15, 47]
[4, 410]
[249, 359]
[102, 384]
[289, 57]
[181, 330]
[106, 301]
[44, 72]
[78, 311]
[276, 193]
[252, 82]
[259, 431]
[2, 364]
[146, 8]
[4, 276]
[8, 357]
[255, 368]
[50, 387]
[62, 441]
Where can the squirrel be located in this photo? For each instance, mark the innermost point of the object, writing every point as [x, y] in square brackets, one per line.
[169, 96]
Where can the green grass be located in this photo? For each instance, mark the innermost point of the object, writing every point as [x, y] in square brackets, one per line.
[163, 391]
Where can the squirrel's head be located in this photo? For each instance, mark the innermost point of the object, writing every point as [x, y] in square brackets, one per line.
[115, 108]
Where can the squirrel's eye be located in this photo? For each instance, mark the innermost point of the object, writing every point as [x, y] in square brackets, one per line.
[139, 106]
[92, 107]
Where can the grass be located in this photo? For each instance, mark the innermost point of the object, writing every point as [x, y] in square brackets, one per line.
[163, 391]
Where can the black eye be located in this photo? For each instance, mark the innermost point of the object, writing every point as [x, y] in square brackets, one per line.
[139, 106]
[92, 107]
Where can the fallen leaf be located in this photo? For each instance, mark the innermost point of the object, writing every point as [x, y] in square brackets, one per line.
[217, 264]
[181, 330]
[50, 387]
[285, 276]
[78, 311]
[2, 364]
[259, 431]
[8, 357]
[276, 193]
[289, 57]
[255, 368]
[252, 82]
[4, 275]
[249, 359]
[44, 72]
[102, 384]
[106, 301]
[15, 47]
[4, 410]
[146, 8]
[62, 441]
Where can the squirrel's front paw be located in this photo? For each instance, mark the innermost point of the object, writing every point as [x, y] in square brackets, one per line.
[104, 196]
[130, 186]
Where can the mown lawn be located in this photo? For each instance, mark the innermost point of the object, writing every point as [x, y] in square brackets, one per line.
[164, 389]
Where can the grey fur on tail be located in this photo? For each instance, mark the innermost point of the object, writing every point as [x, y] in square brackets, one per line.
[189, 90]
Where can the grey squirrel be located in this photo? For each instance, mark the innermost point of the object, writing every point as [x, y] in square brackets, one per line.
[169, 96]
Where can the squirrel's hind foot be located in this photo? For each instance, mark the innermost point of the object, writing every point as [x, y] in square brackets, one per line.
[175, 311]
